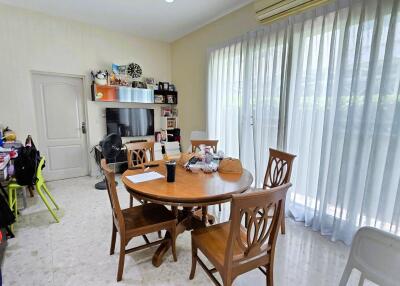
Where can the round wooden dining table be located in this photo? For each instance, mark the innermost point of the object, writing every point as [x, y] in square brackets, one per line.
[192, 191]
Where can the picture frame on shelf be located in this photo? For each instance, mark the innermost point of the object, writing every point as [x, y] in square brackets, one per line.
[149, 80]
[169, 123]
[170, 99]
[164, 135]
[166, 112]
[171, 87]
[157, 136]
[163, 85]
[158, 98]
[166, 86]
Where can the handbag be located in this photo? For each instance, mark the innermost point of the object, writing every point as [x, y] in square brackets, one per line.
[230, 166]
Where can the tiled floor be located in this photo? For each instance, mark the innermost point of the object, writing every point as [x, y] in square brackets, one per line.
[75, 251]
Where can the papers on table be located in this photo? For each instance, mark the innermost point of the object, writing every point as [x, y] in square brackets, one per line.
[149, 176]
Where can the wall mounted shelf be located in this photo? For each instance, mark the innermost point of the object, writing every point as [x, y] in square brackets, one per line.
[113, 93]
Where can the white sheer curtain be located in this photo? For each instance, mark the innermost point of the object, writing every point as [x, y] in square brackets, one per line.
[343, 119]
[244, 90]
[225, 97]
[323, 85]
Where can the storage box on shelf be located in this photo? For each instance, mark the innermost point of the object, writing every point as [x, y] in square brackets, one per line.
[113, 93]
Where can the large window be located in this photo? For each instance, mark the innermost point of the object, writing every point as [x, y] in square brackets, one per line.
[323, 85]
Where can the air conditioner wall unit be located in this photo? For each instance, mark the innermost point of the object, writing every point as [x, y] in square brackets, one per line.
[271, 10]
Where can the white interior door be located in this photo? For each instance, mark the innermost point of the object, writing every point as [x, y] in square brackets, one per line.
[60, 114]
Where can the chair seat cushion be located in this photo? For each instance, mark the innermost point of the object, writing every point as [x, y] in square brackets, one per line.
[213, 240]
[141, 217]
[14, 185]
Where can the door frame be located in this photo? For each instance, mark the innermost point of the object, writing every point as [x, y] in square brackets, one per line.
[85, 106]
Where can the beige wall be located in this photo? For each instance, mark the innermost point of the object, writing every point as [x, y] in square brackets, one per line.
[33, 41]
[189, 62]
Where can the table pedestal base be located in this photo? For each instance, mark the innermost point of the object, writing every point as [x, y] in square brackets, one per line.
[188, 219]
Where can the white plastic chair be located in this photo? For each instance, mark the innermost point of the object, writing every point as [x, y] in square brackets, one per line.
[158, 151]
[172, 150]
[376, 254]
[197, 135]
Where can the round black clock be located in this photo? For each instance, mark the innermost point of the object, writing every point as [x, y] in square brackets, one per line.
[134, 70]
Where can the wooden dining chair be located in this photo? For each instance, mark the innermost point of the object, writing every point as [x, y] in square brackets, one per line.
[279, 171]
[139, 153]
[196, 144]
[234, 249]
[136, 221]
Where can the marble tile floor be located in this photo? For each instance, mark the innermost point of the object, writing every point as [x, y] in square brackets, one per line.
[75, 251]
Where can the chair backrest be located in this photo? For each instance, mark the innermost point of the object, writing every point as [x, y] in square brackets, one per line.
[140, 153]
[39, 174]
[172, 149]
[264, 209]
[279, 168]
[158, 155]
[112, 194]
[196, 144]
[376, 254]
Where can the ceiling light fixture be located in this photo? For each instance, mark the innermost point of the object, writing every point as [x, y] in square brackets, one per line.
[169, 1]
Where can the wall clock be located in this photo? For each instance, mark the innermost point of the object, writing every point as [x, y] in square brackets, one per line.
[134, 70]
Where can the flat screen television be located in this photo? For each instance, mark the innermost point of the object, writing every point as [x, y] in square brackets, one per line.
[130, 122]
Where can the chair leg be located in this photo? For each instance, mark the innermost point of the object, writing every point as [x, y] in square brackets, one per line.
[283, 224]
[30, 189]
[50, 196]
[219, 207]
[194, 260]
[362, 280]
[173, 242]
[44, 199]
[121, 260]
[227, 281]
[113, 237]
[159, 234]
[345, 276]
[270, 275]
[13, 202]
[130, 201]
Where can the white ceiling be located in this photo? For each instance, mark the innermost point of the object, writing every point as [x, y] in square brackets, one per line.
[155, 19]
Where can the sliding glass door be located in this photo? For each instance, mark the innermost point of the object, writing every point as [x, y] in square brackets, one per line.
[325, 86]
[244, 90]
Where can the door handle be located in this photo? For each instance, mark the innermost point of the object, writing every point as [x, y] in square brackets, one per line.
[84, 127]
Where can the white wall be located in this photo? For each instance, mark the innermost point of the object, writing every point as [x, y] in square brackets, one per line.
[189, 62]
[34, 41]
